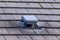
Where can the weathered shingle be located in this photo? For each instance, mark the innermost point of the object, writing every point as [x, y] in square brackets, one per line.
[46, 5]
[51, 38]
[56, 5]
[46, 11]
[11, 4]
[9, 10]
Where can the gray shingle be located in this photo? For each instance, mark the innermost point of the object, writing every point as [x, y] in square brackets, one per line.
[56, 5]
[38, 38]
[9, 10]
[54, 17]
[54, 24]
[50, 37]
[43, 17]
[1, 10]
[34, 5]
[2, 38]
[21, 11]
[14, 31]
[3, 31]
[46, 5]
[11, 37]
[5, 17]
[33, 11]
[5, 24]
[49, 0]
[53, 31]
[55, 11]
[41, 31]
[58, 37]
[11, 4]
[22, 5]
[42, 24]
[45, 11]
[26, 0]
[29, 31]
[39, 0]
[2, 4]
[28, 11]
[16, 16]
[9, 0]
[57, 0]
[24, 37]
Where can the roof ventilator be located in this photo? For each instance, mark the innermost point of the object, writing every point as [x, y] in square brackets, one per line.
[28, 22]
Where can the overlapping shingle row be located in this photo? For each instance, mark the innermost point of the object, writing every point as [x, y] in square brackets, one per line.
[46, 11]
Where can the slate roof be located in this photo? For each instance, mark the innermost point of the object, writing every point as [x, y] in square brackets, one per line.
[46, 11]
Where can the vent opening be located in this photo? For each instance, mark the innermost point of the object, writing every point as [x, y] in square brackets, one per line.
[28, 21]
[28, 25]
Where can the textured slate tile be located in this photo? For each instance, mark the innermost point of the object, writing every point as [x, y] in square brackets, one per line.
[5, 24]
[14, 23]
[2, 38]
[26, 0]
[38, 38]
[56, 5]
[5, 17]
[24, 37]
[10, 31]
[11, 37]
[43, 17]
[45, 11]
[42, 24]
[54, 17]
[58, 37]
[2, 4]
[33, 11]
[22, 5]
[57, 0]
[49, 0]
[11, 4]
[53, 31]
[9, 0]
[40, 31]
[9, 10]
[59, 30]
[14, 31]
[54, 24]
[2, 24]
[16, 16]
[39, 0]
[3, 31]
[55, 11]
[1, 10]
[46, 5]
[21, 11]
[34, 5]
[50, 37]
[27, 31]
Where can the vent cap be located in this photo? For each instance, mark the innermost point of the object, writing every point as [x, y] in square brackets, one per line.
[29, 19]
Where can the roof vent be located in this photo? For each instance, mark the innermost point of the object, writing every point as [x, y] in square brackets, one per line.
[29, 21]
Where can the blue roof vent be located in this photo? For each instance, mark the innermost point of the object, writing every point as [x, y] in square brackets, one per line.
[29, 21]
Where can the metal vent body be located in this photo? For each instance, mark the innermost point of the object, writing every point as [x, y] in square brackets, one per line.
[29, 20]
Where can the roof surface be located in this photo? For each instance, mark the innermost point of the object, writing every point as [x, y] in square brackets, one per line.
[46, 11]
